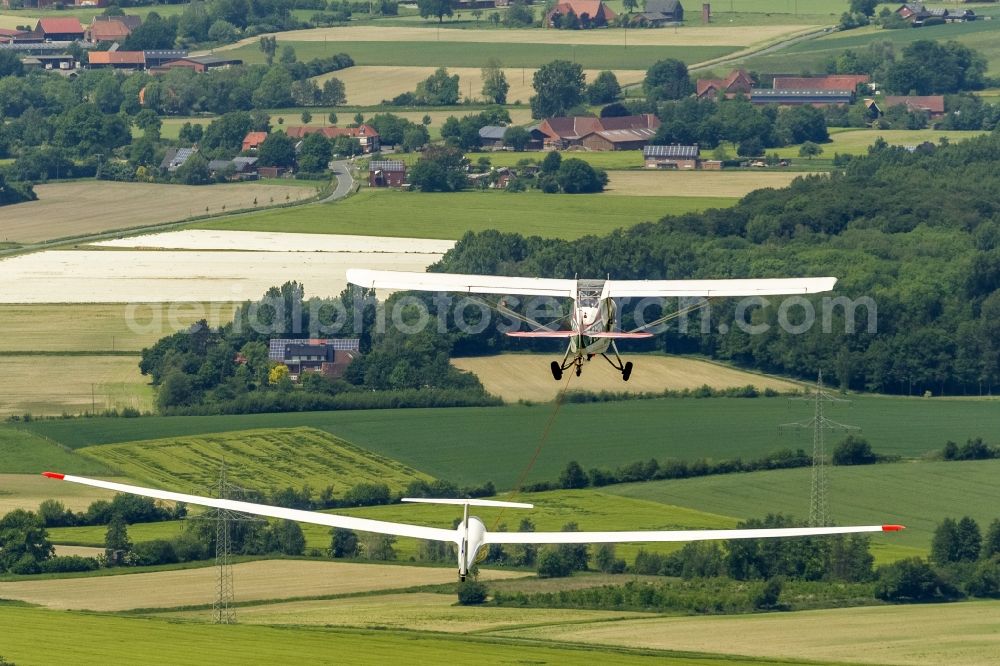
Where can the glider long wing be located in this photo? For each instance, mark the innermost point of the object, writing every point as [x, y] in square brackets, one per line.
[438, 534]
[716, 288]
[314, 517]
[472, 284]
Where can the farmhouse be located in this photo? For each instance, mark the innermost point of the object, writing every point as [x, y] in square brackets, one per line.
[60, 29]
[386, 173]
[202, 64]
[738, 82]
[658, 13]
[932, 104]
[118, 60]
[590, 13]
[253, 140]
[111, 28]
[175, 158]
[238, 168]
[566, 132]
[327, 356]
[840, 82]
[365, 134]
[491, 136]
[671, 157]
[917, 14]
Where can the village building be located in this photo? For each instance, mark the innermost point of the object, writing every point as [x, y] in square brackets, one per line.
[111, 28]
[838, 82]
[590, 13]
[365, 134]
[175, 158]
[329, 357]
[202, 64]
[737, 83]
[253, 140]
[658, 13]
[117, 60]
[60, 29]
[801, 97]
[386, 173]
[932, 104]
[566, 132]
[491, 136]
[672, 157]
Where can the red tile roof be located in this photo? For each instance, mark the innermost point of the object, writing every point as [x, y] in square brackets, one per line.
[53, 26]
[117, 58]
[846, 82]
[737, 81]
[929, 103]
[580, 126]
[300, 131]
[592, 8]
[253, 140]
[108, 31]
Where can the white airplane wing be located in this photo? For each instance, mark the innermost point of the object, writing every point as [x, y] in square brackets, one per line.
[716, 288]
[314, 517]
[473, 284]
[455, 536]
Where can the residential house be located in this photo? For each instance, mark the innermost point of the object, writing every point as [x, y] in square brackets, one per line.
[800, 97]
[386, 173]
[567, 132]
[238, 168]
[365, 134]
[111, 28]
[491, 136]
[738, 82]
[60, 29]
[175, 158]
[327, 356]
[117, 60]
[591, 13]
[253, 140]
[917, 14]
[932, 104]
[839, 82]
[672, 157]
[658, 13]
[202, 64]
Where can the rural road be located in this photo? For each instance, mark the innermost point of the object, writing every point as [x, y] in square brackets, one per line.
[342, 171]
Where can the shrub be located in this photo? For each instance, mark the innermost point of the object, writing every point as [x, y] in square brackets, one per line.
[471, 593]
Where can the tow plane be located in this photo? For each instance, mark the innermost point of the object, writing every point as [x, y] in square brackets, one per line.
[471, 534]
[594, 325]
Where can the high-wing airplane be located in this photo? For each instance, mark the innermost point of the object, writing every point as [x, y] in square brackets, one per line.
[471, 534]
[592, 330]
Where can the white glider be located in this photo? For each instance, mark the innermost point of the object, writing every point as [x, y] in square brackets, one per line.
[471, 534]
[592, 331]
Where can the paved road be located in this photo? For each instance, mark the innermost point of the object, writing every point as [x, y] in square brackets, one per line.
[342, 170]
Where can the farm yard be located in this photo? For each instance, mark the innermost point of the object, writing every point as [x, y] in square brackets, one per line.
[80, 208]
[523, 376]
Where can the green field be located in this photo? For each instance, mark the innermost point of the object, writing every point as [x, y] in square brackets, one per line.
[917, 495]
[100, 327]
[462, 444]
[450, 215]
[255, 459]
[811, 55]
[857, 141]
[464, 54]
[24, 452]
[611, 159]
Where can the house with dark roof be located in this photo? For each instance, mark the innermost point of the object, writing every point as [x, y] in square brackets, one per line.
[60, 29]
[386, 173]
[365, 134]
[800, 97]
[328, 357]
[671, 157]
[572, 131]
[238, 168]
[491, 136]
[160, 57]
[658, 13]
[175, 158]
[117, 60]
[840, 82]
[932, 104]
[591, 13]
[737, 83]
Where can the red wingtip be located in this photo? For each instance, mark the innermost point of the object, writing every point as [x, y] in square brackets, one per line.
[892, 528]
[54, 475]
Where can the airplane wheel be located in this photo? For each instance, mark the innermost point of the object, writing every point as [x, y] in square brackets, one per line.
[627, 371]
[556, 370]
[578, 370]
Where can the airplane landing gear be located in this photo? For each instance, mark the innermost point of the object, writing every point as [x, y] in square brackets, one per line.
[556, 370]
[627, 371]
[579, 369]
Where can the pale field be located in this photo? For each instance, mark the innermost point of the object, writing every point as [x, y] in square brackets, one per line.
[13, 20]
[253, 581]
[270, 241]
[921, 634]
[418, 611]
[87, 207]
[367, 85]
[167, 276]
[670, 183]
[81, 551]
[516, 377]
[27, 491]
[693, 35]
[53, 385]
[60, 327]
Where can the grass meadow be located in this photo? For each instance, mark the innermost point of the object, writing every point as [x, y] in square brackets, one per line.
[24, 452]
[257, 459]
[461, 444]
[857, 141]
[451, 215]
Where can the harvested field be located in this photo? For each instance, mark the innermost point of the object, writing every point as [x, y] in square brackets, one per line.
[102, 326]
[78, 208]
[81, 551]
[100, 276]
[257, 241]
[417, 611]
[260, 580]
[27, 491]
[685, 36]
[931, 634]
[75, 384]
[516, 377]
[268, 460]
[694, 183]
[371, 84]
